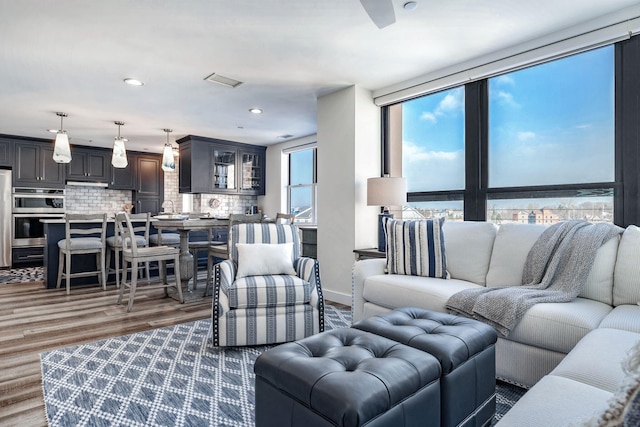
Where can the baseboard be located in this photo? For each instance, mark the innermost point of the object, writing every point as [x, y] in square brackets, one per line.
[338, 297]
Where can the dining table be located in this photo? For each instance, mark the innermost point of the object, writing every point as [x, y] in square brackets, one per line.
[185, 224]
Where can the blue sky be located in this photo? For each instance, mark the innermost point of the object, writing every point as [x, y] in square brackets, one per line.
[548, 124]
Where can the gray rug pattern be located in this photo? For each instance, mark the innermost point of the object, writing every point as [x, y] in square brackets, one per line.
[21, 275]
[169, 376]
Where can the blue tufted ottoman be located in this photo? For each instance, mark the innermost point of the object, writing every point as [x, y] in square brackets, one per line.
[347, 377]
[465, 349]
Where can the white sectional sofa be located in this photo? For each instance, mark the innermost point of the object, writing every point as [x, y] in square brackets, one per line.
[590, 335]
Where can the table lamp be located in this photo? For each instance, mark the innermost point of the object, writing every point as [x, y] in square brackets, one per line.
[385, 191]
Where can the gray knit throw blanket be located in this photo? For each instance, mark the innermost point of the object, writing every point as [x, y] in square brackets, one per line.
[556, 269]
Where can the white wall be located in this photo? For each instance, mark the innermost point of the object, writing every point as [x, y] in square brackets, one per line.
[348, 153]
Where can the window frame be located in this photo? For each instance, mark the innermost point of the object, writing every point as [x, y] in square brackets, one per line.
[313, 185]
[477, 193]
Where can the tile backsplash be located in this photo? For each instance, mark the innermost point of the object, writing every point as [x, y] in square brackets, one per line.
[81, 199]
[89, 199]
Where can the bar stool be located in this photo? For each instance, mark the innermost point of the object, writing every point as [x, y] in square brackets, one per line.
[140, 223]
[90, 244]
[134, 255]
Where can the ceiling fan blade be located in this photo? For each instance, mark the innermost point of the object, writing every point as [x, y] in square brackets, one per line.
[380, 11]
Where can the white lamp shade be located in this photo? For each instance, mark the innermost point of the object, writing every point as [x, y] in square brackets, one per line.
[119, 157]
[61, 149]
[386, 191]
[168, 161]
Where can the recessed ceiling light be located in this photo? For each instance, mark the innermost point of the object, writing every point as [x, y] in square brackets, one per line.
[255, 110]
[133, 82]
[410, 5]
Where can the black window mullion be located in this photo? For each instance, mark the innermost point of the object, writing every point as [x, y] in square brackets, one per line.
[475, 134]
[627, 92]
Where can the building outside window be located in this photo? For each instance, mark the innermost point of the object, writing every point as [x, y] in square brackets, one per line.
[549, 150]
[301, 191]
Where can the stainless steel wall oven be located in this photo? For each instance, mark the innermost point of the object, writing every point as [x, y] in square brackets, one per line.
[29, 206]
[37, 200]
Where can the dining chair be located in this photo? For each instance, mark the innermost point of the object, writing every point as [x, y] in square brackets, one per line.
[79, 240]
[141, 224]
[220, 250]
[266, 292]
[283, 218]
[134, 255]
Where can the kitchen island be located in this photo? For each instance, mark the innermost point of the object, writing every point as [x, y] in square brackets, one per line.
[54, 231]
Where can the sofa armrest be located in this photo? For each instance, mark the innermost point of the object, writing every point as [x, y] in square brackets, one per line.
[362, 270]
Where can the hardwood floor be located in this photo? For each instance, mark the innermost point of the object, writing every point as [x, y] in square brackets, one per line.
[34, 319]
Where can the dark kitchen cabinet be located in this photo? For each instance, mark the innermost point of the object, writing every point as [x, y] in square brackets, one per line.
[215, 166]
[123, 178]
[6, 152]
[148, 192]
[89, 164]
[34, 166]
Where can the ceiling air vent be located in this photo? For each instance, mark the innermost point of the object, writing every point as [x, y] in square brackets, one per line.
[225, 81]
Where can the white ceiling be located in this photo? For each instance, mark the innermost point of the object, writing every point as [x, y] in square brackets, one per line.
[72, 56]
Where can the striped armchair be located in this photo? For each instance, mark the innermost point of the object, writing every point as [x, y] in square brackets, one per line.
[259, 297]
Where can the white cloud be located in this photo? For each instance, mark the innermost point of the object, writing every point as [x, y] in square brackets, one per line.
[526, 135]
[428, 116]
[452, 102]
[507, 99]
[432, 170]
[584, 126]
[504, 80]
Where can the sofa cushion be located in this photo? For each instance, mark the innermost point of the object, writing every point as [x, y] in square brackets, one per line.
[559, 326]
[468, 245]
[556, 401]
[394, 291]
[626, 281]
[513, 243]
[268, 291]
[416, 248]
[597, 359]
[625, 317]
[599, 285]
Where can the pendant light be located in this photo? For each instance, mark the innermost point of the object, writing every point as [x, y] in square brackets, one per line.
[168, 161]
[61, 148]
[119, 157]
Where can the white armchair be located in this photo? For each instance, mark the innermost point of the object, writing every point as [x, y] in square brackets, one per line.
[266, 292]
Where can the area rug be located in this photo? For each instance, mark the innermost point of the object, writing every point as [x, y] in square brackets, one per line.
[21, 275]
[169, 376]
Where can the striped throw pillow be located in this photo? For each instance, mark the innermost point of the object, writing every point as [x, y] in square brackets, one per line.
[416, 247]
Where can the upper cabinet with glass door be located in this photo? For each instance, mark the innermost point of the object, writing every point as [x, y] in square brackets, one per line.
[223, 169]
[215, 166]
[252, 172]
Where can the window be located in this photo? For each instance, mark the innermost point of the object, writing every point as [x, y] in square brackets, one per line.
[552, 126]
[301, 197]
[534, 145]
[433, 157]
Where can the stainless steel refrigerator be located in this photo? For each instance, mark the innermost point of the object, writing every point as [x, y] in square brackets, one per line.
[5, 218]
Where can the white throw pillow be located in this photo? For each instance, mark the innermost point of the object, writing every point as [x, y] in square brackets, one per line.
[262, 259]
